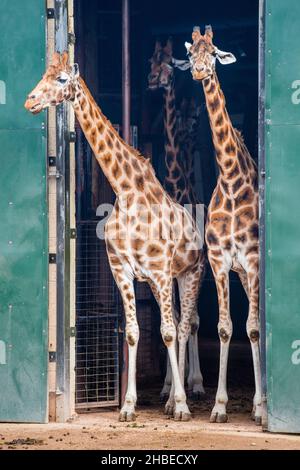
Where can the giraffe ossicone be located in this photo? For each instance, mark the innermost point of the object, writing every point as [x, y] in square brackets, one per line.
[157, 261]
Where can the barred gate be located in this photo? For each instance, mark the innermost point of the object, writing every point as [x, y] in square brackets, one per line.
[98, 311]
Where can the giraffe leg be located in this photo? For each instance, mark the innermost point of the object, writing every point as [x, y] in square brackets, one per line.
[244, 280]
[218, 414]
[190, 367]
[166, 390]
[253, 334]
[168, 332]
[195, 379]
[126, 288]
[188, 290]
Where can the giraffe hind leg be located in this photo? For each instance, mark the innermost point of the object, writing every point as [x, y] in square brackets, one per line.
[244, 280]
[253, 334]
[168, 332]
[250, 281]
[219, 413]
[189, 284]
[195, 378]
[166, 391]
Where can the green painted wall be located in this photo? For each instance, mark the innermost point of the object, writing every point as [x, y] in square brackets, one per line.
[23, 222]
[283, 213]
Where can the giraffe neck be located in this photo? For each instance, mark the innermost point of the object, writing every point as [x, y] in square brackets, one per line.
[176, 182]
[189, 149]
[124, 167]
[173, 167]
[227, 141]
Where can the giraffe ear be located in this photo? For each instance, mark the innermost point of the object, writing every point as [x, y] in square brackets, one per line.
[75, 71]
[224, 58]
[181, 64]
[188, 46]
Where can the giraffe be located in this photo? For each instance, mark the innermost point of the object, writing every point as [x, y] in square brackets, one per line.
[188, 132]
[148, 236]
[178, 184]
[232, 226]
[162, 76]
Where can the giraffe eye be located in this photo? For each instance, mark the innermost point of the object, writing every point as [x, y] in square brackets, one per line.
[62, 80]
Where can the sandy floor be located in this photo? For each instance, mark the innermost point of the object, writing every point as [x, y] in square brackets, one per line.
[152, 430]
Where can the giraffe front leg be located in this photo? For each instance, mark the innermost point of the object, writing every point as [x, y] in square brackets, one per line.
[168, 332]
[126, 288]
[253, 334]
[219, 413]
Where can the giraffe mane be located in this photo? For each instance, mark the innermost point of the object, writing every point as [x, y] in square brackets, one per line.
[52, 71]
[145, 162]
[240, 139]
[239, 136]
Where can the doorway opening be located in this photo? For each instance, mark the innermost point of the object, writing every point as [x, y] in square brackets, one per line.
[99, 309]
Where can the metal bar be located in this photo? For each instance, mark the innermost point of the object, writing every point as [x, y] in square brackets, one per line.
[126, 69]
[126, 137]
[96, 404]
[261, 166]
[63, 311]
[97, 345]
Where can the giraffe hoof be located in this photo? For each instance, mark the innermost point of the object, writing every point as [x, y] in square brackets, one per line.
[256, 417]
[127, 416]
[182, 416]
[218, 418]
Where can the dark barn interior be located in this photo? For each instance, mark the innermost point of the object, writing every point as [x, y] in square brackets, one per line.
[99, 54]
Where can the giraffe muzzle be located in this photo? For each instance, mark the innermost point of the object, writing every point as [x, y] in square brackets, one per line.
[33, 106]
[200, 75]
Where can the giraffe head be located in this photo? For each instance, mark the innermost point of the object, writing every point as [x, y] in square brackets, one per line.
[203, 54]
[162, 66]
[56, 85]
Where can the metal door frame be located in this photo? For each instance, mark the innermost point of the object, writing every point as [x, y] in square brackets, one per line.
[65, 327]
[262, 172]
[64, 330]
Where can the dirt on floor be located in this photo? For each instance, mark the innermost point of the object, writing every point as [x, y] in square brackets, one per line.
[152, 430]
